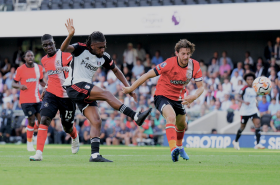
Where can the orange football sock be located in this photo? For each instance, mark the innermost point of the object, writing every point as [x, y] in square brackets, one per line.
[29, 133]
[41, 137]
[171, 136]
[180, 136]
[36, 125]
[74, 133]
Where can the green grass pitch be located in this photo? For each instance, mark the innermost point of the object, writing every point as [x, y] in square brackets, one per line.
[139, 165]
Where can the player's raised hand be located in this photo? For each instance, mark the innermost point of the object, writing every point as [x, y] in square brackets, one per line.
[188, 100]
[23, 87]
[70, 27]
[126, 90]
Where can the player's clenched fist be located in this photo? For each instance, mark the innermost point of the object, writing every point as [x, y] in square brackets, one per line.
[23, 87]
[189, 99]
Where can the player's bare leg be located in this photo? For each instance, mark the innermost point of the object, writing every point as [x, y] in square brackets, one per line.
[101, 94]
[181, 127]
[91, 113]
[29, 133]
[257, 124]
[238, 135]
[170, 116]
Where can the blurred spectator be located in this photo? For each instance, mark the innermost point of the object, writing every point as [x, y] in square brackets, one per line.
[37, 56]
[122, 135]
[239, 69]
[213, 68]
[275, 122]
[265, 128]
[144, 89]
[268, 51]
[116, 60]
[215, 56]
[157, 59]
[112, 86]
[141, 53]
[209, 97]
[8, 98]
[247, 68]
[263, 106]
[225, 69]
[111, 75]
[7, 67]
[239, 86]
[18, 57]
[260, 71]
[214, 131]
[277, 50]
[138, 69]
[273, 75]
[227, 86]
[234, 104]
[226, 103]
[85, 130]
[147, 63]
[129, 56]
[217, 105]
[102, 83]
[203, 67]
[51, 131]
[220, 93]
[275, 94]
[9, 81]
[248, 59]
[229, 61]
[234, 81]
[127, 73]
[6, 125]
[273, 65]
[273, 107]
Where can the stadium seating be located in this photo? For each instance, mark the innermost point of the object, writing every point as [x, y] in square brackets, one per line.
[80, 4]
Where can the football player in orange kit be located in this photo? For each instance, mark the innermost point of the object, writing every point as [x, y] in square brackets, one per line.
[176, 72]
[30, 75]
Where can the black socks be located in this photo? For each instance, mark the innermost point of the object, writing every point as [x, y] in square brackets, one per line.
[95, 142]
[238, 135]
[127, 111]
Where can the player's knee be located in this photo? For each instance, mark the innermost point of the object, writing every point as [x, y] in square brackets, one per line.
[31, 122]
[95, 122]
[171, 118]
[45, 121]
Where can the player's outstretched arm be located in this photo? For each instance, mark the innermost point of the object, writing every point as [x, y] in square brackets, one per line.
[122, 78]
[139, 81]
[190, 98]
[65, 46]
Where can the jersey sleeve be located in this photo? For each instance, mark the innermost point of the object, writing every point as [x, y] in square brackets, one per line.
[66, 59]
[197, 72]
[79, 48]
[161, 68]
[41, 72]
[242, 91]
[109, 63]
[17, 75]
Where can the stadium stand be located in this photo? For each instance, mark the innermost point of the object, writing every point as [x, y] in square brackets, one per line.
[21, 5]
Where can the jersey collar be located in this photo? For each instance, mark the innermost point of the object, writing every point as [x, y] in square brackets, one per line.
[181, 66]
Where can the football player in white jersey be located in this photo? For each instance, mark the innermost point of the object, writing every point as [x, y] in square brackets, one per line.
[248, 110]
[87, 58]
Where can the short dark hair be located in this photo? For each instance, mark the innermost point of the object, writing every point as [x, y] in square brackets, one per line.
[96, 36]
[27, 52]
[184, 43]
[248, 75]
[46, 37]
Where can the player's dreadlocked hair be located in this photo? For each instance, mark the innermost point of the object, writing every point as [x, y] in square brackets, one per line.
[184, 43]
[96, 36]
[46, 37]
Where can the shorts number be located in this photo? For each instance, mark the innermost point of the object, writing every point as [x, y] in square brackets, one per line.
[68, 114]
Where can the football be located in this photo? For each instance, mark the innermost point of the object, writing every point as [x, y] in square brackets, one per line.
[262, 85]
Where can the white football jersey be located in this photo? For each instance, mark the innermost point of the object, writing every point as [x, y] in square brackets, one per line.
[84, 65]
[248, 95]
